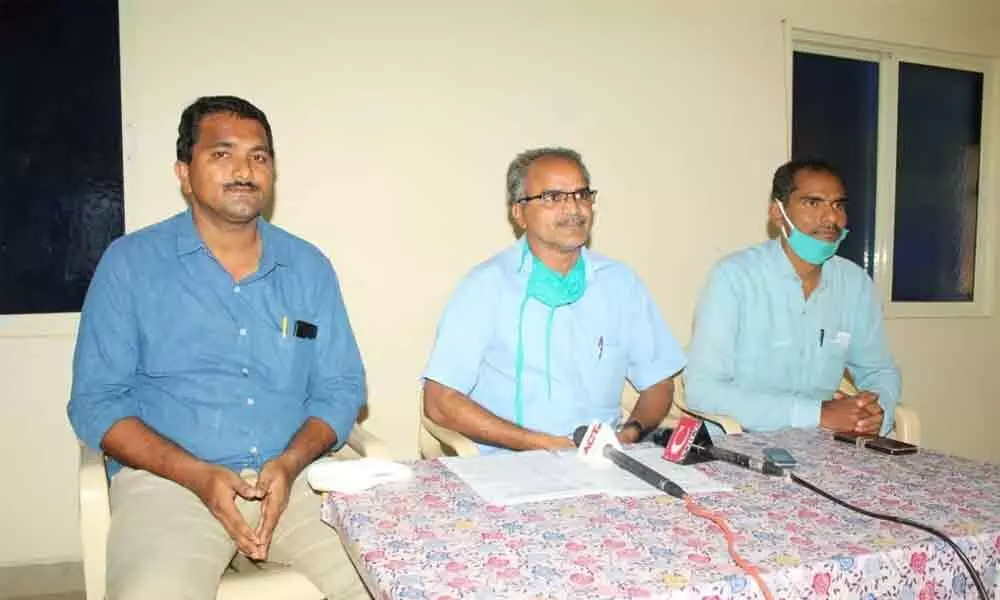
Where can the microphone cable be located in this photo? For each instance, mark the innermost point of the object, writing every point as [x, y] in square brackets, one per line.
[720, 521]
[976, 579]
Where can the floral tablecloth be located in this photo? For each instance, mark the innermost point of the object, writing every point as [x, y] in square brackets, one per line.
[433, 538]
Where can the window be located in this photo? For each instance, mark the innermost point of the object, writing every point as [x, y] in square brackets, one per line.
[61, 200]
[908, 131]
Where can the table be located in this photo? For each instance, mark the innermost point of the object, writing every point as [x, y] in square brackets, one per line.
[433, 538]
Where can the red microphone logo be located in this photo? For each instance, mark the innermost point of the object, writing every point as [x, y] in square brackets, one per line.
[677, 448]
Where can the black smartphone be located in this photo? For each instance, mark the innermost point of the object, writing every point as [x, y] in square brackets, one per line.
[891, 446]
[879, 444]
[857, 439]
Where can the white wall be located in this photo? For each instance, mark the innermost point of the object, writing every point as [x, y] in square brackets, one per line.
[394, 122]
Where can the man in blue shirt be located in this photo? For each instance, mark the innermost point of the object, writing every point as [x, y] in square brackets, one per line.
[779, 322]
[214, 343]
[540, 338]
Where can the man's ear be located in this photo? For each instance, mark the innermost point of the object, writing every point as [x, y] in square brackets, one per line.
[517, 215]
[774, 216]
[183, 171]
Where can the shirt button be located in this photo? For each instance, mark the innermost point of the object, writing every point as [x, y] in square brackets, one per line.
[250, 401]
[243, 331]
[253, 449]
[245, 371]
[236, 290]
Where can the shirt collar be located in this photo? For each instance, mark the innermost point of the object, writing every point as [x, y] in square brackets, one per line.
[780, 261]
[274, 249]
[518, 260]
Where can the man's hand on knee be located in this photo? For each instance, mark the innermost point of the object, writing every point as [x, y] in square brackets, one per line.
[275, 483]
[217, 487]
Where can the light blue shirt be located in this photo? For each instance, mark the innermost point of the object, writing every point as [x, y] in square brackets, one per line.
[766, 356]
[168, 337]
[613, 333]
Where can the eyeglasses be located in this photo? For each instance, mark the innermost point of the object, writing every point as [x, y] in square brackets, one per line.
[554, 198]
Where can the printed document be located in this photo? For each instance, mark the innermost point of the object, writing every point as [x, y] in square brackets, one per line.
[539, 475]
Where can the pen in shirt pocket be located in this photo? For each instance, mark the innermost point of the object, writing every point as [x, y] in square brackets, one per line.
[284, 326]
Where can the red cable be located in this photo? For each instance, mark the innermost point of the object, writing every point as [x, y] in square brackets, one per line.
[699, 511]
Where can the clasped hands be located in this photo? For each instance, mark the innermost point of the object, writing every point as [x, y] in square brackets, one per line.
[859, 413]
[218, 487]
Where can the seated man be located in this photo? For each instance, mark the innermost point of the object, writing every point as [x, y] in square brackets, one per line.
[212, 344]
[540, 338]
[778, 322]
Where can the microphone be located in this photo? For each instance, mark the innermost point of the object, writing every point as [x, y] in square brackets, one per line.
[690, 442]
[598, 440]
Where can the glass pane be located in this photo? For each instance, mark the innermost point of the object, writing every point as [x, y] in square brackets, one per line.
[835, 118]
[937, 183]
[61, 198]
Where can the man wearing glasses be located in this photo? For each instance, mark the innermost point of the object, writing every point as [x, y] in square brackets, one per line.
[540, 338]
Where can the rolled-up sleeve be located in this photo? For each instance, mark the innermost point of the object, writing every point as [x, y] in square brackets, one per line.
[337, 383]
[106, 355]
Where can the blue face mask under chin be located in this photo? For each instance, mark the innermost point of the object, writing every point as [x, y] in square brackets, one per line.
[553, 290]
[808, 248]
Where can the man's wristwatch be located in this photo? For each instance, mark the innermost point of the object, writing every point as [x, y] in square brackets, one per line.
[633, 423]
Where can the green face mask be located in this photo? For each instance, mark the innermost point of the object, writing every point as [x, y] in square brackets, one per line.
[552, 290]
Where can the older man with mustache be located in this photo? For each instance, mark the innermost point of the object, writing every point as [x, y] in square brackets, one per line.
[778, 323]
[541, 338]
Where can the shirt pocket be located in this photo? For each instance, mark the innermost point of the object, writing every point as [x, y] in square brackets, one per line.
[291, 367]
[606, 371]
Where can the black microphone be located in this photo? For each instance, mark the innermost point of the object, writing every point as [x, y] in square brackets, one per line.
[689, 442]
[631, 465]
[743, 460]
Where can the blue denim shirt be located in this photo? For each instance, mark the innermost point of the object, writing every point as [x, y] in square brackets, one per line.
[167, 336]
[613, 333]
[766, 356]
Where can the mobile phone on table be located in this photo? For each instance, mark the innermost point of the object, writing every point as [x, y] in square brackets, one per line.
[891, 446]
[780, 457]
[858, 439]
[879, 444]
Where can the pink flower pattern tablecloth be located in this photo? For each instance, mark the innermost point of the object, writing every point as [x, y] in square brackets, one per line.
[433, 538]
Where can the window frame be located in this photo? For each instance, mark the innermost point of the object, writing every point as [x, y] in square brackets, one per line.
[888, 56]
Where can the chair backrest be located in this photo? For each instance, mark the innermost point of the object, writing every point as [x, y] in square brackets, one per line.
[630, 397]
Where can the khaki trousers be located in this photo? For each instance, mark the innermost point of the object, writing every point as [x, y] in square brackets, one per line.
[165, 544]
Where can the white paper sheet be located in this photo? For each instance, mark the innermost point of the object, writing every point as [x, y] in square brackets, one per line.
[536, 476]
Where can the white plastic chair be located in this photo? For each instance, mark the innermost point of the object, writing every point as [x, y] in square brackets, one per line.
[247, 581]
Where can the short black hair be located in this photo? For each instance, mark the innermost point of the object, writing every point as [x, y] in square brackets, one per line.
[187, 130]
[783, 183]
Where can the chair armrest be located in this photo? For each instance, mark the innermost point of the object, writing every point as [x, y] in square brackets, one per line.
[436, 441]
[907, 423]
[728, 424]
[95, 519]
[907, 427]
[367, 444]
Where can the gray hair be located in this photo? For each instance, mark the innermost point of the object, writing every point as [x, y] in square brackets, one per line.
[518, 168]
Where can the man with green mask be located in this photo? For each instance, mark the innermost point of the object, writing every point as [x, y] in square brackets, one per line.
[778, 323]
[541, 338]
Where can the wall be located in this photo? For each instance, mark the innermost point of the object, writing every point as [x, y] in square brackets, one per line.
[394, 124]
